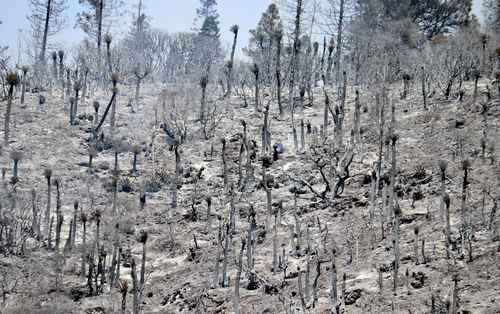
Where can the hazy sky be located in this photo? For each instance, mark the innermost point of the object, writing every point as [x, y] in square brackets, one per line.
[169, 15]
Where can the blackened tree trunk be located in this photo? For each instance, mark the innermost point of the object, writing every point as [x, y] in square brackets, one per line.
[226, 256]
[108, 55]
[295, 55]
[49, 196]
[100, 11]
[333, 288]
[255, 71]
[7, 116]
[329, 65]
[381, 104]
[84, 246]
[225, 173]
[237, 280]
[356, 120]
[397, 213]
[45, 30]
[230, 65]
[203, 85]
[23, 87]
[424, 92]
[176, 177]
[338, 52]
[279, 38]
[135, 288]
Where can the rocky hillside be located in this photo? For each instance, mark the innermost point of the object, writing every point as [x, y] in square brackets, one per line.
[303, 233]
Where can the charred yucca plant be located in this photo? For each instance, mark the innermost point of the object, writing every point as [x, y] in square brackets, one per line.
[114, 80]
[41, 102]
[16, 156]
[68, 83]
[74, 108]
[60, 54]
[119, 146]
[59, 216]
[234, 29]
[406, 85]
[84, 219]
[25, 70]
[396, 212]
[423, 78]
[331, 48]
[484, 139]
[112, 118]
[236, 304]
[74, 225]
[92, 151]
[397, 215]
[483, 143]
[466, 227]
[12, 80]
[224, 164]
[140, 75]
[108, 39]
[279, 38]
[255, 71]
[177, 177]
[143, 238]
[55, 73]
[47, 173]
[115, 77]
[442, 164]
[35, 226]
[446, 200]
[97, 215]
[114, 185]
[203, 86]
[476, 75]
[96, 112]
[135, 150]
[71, 111]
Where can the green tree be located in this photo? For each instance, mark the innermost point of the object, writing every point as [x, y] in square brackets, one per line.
[208, 46]
[263, 39]
[433, 17]
[46, 15]
[207, 13]
[97, 17]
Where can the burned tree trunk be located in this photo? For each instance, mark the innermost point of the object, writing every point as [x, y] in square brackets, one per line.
[279, 38]
[255, 71]
[225, 173]
[294, 68]
[442, 167]
[338, 53]
[237, 280]
[226, 256]
[175, 182]
[234, 30]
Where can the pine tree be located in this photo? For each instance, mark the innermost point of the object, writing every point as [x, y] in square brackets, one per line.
[207, 13]
[138, 42]
[46, 15]
[433, 17]
[208, 46]
[97, 17]
[264, 41]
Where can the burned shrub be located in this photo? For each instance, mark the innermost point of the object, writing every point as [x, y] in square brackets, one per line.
[125, 185]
